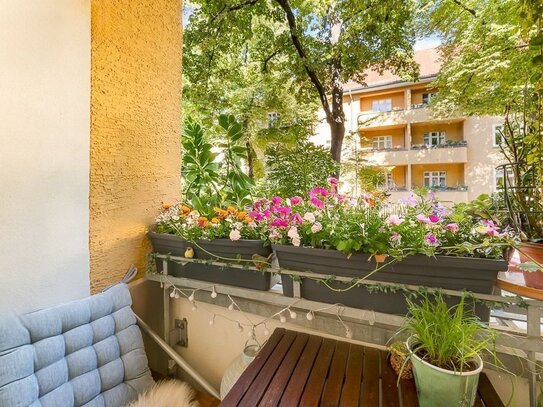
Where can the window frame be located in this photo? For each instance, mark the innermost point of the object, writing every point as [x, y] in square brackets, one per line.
[433, 175]
[429, 98]
[429, 136]
[386, 140]
[386, 105]
[494, 134]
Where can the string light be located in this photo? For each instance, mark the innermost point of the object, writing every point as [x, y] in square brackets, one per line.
[292, 314]
[191, 297]
[231, 307]
[194, 307]
[309, 316]
[213, 293]
[282, 318]
[172, 294]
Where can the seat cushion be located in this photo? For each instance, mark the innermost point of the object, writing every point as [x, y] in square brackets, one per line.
[84, 353]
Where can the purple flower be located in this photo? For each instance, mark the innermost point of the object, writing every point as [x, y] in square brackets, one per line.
[431, 195]
[452, 227]
[395, 237]
[423, 219]
[296, 200]
[296, 219]
[281, 223]
[410, 201]
[434, 218]
[277, 201]
[316, 202]
[431, 239]
[266, 213]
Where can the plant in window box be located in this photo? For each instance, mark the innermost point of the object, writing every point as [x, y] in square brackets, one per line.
[445, 345]
[522, 145]
[209, 226]
[424, 243]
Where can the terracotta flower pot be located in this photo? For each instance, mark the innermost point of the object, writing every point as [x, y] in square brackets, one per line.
[531, 252]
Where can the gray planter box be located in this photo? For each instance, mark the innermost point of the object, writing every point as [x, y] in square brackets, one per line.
[244, 249]
[453, 273]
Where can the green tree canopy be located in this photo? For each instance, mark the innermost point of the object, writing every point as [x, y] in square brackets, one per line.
[312, 45]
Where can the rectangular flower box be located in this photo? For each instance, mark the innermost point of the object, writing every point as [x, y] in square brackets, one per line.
[209, 249]
[453, 273]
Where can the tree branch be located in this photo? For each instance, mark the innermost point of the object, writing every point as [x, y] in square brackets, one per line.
[466, 8]
[303, 56]
[236, 7]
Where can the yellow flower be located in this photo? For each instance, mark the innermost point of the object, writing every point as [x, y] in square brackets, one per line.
[241, 215]
[166, 205]
[185, 210]
[215, 220]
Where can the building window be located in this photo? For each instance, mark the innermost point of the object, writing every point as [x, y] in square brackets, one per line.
[382, 142]
[382, 105]
[499, 178]
[273, 119]
[434, 138]
[497, 135]
[435, 179]
[427, 97]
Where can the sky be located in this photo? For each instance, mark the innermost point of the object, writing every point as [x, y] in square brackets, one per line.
[428, 42]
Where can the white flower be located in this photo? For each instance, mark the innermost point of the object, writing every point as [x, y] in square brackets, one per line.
[235, 235]
[293, 232]
[316, 227]
[310, 217]
[296, 241]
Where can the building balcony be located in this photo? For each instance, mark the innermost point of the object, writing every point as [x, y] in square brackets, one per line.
[456, 152]
[370, 119]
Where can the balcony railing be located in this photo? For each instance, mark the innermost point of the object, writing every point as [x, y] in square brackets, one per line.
[447, 144]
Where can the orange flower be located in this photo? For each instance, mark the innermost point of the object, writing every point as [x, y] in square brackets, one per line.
[215, 220]
[221, 213]
[185, 210]
[231, 210]
[248, 219]
[241, 215]
[166, 205]
[202, 221]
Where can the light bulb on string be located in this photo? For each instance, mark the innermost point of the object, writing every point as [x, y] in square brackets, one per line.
[348, 333]
[191, 296]
[213, 293]
[172, 294]
[309, 315]
[292, 314]
[177, 295]
[282, 318]
[231, 307]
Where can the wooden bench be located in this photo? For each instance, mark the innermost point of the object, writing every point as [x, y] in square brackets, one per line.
[298, 369]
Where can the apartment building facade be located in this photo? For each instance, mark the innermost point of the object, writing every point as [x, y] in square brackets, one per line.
[395, 130]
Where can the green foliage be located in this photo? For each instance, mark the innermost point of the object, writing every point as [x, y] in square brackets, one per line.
[449, 338]
[199, 169]
[210, 183]
[306, 47]
[292, 171]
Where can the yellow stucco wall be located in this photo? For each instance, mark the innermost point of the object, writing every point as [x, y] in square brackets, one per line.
[135, 128]
[455, 173]
[398, 100]
[398, 137]
[454, 131]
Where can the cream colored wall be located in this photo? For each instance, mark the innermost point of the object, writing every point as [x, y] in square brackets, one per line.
[483, 157]
[398, 176]
[454, 131]
[44, 153]
[398, 100]
[135, 128]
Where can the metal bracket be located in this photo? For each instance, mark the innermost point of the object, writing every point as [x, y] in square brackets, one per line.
[182, 326]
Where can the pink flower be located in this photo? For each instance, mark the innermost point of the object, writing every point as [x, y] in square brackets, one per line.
[310, 217]
[267, 214]
[410, 201]
[317, 227]
[296, 219]
[254, 215]
[431, 239]
[333, 184]
[434, 218]
[293, 232]
[277, 200]
[296, 200]
[394, 220]
[452, 227]
[395, 237]
[422, 218]
[281, 223]
[493, 232]
[296, 241]
[316, 202]
[284, 211]
[318, 191]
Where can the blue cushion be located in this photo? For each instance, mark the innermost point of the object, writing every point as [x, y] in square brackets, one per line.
[84, 353]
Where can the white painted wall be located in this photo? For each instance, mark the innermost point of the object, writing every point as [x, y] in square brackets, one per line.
[44, 152]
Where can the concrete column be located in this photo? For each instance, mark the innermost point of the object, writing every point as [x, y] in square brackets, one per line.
[135, 128]
[408, 99]
[407, 137]
[408, 180]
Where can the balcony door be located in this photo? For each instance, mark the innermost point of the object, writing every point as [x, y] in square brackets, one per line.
[435, 179]
[435, 138]
[382, 143]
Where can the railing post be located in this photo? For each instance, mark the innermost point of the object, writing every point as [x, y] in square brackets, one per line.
[533, 331]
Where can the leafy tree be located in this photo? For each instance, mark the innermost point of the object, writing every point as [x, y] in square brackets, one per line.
[321, 44]
[491, 50]
[293, 171]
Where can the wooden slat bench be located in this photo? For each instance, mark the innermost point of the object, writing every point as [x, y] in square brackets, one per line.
[298, 369]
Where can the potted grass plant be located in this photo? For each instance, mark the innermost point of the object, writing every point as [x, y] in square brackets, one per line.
[445, 346]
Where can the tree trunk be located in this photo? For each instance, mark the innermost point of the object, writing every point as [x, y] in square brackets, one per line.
[250, 164]
[337, 130]
[336, 117]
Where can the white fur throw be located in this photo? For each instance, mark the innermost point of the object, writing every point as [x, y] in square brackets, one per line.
[169, 393]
